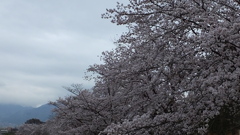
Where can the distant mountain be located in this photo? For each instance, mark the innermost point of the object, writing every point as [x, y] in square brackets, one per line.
[15, 115]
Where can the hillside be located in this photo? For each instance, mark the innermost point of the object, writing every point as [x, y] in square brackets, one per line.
[15, 115]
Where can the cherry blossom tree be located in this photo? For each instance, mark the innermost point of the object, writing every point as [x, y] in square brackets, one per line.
[176, 71]
[31, 129]
[84, 112]
[177, 68]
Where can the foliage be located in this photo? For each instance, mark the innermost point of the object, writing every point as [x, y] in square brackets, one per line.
[176, 71]
[178, 66]
[34, 121]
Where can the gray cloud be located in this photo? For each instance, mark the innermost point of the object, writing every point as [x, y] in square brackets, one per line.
[45, 45]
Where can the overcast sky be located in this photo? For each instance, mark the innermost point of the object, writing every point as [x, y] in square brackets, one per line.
[47, 44]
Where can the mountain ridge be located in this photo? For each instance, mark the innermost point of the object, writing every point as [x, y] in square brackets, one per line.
[15, 115]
